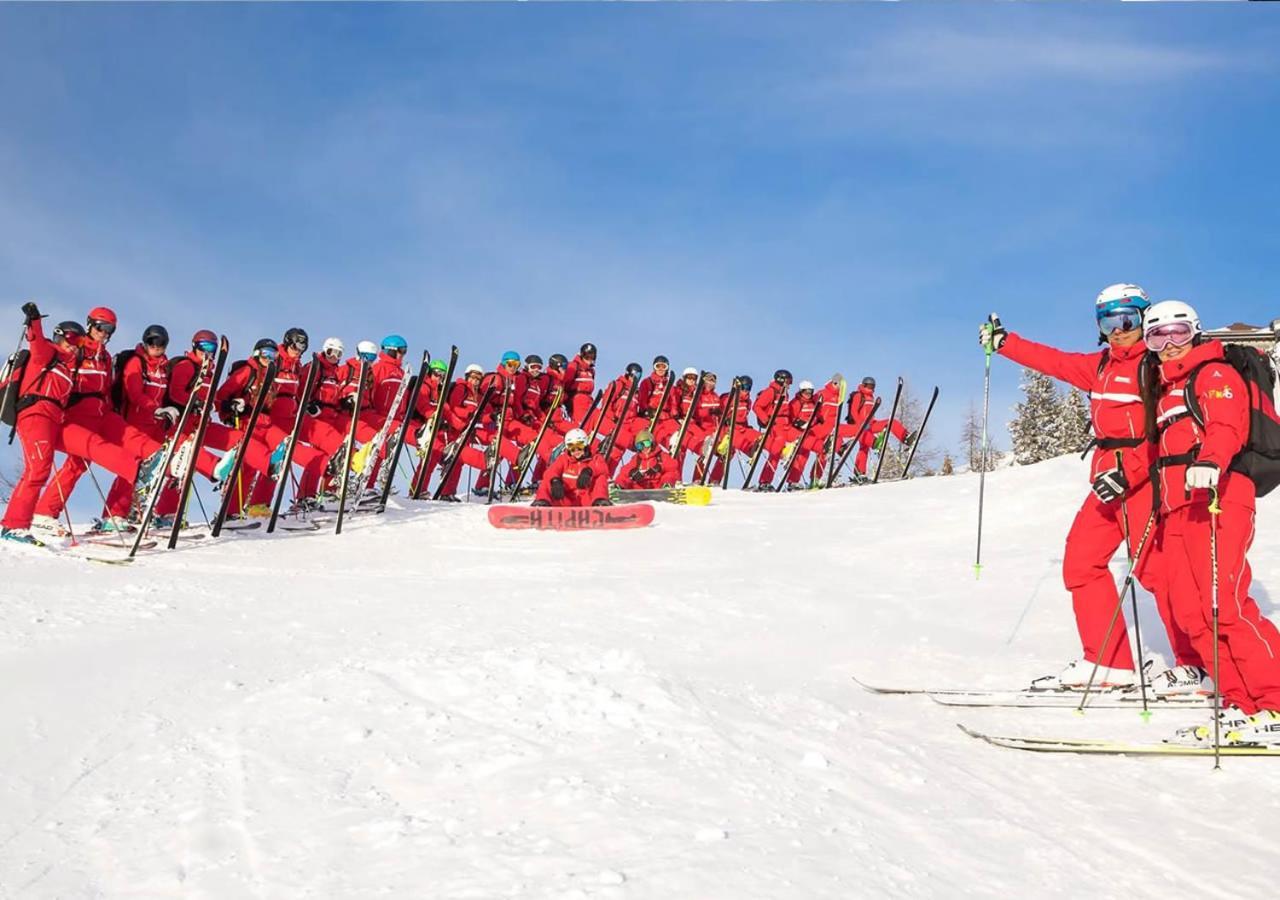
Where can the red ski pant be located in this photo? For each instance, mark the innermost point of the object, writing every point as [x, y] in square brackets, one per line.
[744, 441]
[578, 404]
[325, 433]
[424, 470]
[1096, 534]
[781, 436]
[39, 435]
[868, 440]
[1248, 644]
[105, 439]
[506, 449]
[120, 494]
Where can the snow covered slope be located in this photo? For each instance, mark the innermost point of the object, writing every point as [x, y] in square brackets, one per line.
[427, 707]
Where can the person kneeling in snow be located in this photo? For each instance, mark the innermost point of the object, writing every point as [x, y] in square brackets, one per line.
[576, 477]
[651, 467]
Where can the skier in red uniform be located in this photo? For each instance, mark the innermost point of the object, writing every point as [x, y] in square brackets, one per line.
[745, 438]
[145, 404]
[580, 382]
[235, 399]
[576, 477]
[650, 467]
[861, 403]
[1120, 504]
[1202, 414]
[650, 394]
[93, 431]
[783, 432]
[43, 391]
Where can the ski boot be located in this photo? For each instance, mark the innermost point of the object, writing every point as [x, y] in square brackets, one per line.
[1231, 720]
[48, 526]
[1180, 680]
[20, 536]
[1076, 675]
[112, 525]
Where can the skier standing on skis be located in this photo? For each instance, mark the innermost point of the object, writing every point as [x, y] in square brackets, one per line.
[1201, 411]
[1119, 504]
[576, 477]
[861, 404]
[783, 432]
[43, 392]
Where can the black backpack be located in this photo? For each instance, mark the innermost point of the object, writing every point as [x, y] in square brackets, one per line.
[15, 371]
[117, 383]
[1260, 457]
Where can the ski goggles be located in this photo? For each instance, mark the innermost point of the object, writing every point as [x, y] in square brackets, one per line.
[104, 326]
[393, 351]
[577, 446]
[1179, 334]
[205, 346]
[368, 357]
[512, 365]
[300, 344]
[1121, 318]
[266, 353]
[644, 443]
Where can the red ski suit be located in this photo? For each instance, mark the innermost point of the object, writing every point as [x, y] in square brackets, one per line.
[1248, 643]
[782, 431]
[568, 470]
[649, 395]
[93, 432]
[144, 389]
[579, 386]
[1111, 379]
[46, 385]
[862, 401]
[327, 429]
[245, 383]
[744, 436]
[651, 468]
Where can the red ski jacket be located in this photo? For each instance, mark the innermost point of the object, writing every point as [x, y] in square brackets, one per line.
[48, 377]
[652, 468]
[460, 405]
[93, 377]
[287, 384]
[621, 387]
[1110, 377]
[580, 377]
[861, 402]
[567, 469]
[765, 402]
[145, 383]
[332, 381]
[800, 411]
[386, 374]
[245, 381]
[710, 409]
[1223, 400]
[183, 373]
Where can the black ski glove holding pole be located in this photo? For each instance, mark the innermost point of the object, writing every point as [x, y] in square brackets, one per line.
[1110, 485]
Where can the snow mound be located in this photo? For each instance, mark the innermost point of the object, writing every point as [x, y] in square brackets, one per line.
[426, 706]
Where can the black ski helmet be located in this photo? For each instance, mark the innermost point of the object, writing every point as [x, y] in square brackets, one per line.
[869, 382]
[782, 376]
[634, 370]
[587, 351]
[745, 382]
[296, 338]
[662, 359]
[156, 336]
[533, 359]
[557, 361]
[67, 330]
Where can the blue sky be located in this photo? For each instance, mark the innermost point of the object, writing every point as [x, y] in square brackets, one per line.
[741, 187]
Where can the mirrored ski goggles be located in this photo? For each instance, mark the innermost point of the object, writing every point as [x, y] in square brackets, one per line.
[1179, 334]
[512, 365]
[644, 443]
[266, 353]
[1124, 318]
[205, 346]
[300, 344]
[105, 327]
[576, 445]
[368, 357]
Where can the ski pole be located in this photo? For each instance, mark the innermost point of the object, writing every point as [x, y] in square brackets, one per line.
[982, 462]
[98, 487]
[71, 532]
[16, 350]
[1214, 512]
[1133, 599]
[1128, 583]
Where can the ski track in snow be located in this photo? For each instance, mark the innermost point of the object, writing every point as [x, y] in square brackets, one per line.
[429, 707]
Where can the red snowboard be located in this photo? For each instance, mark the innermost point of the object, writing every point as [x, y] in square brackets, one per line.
[571, 518]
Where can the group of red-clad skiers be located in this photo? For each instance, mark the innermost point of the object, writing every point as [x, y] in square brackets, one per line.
[1171, 420]
[69, 395]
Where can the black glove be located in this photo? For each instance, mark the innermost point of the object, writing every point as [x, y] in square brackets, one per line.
[31, 311]
[801, 424]
[1110, 485]
[197, 407]
[557, 488]
[585, 477]
[237, 405]
[991, 334]
[313, 408]
[169, 413]
[540, 503]
[633, 475]
[348, 402]
[603, 501]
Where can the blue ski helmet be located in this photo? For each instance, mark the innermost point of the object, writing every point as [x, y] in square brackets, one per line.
[395, 342]
[511, 356]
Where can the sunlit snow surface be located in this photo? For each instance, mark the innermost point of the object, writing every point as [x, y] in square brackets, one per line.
[428, 707]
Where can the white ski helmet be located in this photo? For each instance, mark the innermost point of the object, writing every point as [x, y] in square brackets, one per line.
[335, 345]
[1116, 296]
[689, 371]
[805, 386]
[576, 436]
[1168, 311]
[473, 369]
[367, 348]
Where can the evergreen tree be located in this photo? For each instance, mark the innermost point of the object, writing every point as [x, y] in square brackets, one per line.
[1035, 427]
[1073, 423]
[971, 439]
